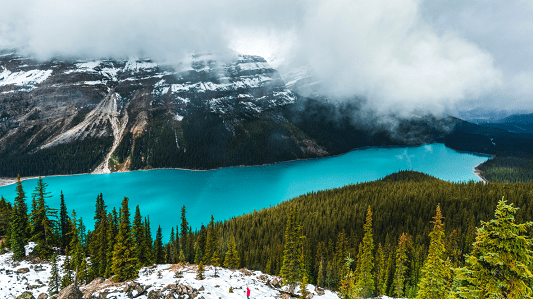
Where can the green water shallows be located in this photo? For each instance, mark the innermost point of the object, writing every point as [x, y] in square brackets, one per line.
[234, 191]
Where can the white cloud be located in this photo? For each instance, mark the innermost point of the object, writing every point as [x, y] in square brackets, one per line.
[404, 56]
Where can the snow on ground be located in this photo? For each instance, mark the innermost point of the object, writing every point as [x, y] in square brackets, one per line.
[13, 282]
[18, 277]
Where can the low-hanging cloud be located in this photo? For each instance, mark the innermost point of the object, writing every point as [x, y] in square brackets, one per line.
[385, 51]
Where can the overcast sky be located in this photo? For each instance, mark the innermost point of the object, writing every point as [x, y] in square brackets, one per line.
[404, 56]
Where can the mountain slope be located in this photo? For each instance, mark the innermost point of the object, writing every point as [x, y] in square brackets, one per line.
[209, 111]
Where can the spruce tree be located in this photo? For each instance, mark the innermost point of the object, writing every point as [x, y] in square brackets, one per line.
[54, 283]
[64, 223]
[158, 247]
[68, 278]
[436, 277]
[98, 245]
[111, 235]
[365, 275]
[138, 237]
[381, 271]
[172, 254]
[17, 234]
[43, 224]
[22, 210]
[184, 233]
[231, 259]
[148, 252]
[124, 263]
[401, 266]
[291, 266]
[200, 271]
[198, 255]
[211, 242]
[215, 261]
[498, 266]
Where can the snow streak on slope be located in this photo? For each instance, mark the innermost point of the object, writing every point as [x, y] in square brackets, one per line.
[24, 78]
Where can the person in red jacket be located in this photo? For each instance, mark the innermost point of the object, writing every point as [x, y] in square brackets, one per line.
[247, 292]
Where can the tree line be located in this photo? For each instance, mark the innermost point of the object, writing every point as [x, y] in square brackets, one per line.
[386, 229]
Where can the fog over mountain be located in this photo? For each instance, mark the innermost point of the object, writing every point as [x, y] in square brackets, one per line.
[404, 57]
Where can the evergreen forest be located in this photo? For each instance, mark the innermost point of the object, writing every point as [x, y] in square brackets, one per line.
[406, 235]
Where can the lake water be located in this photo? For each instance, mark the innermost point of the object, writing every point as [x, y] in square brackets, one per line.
[234, 191]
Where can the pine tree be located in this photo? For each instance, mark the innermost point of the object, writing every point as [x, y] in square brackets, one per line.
[498, 266]
[147, 252]
[111, 235]
[381, 271]
[64, 223]
[158, 247]
[98, 245]
[200, 271]
[321, 274]
[231, 259]
[401, 266]
[198, 255]
[215, 261]
[183, 234]
[124, 263]
[17, 235]
[211, 242]
[138, 236]
[290, 269]
[182, 257]
[54, 283]
[68, 278]
[172, 254]
[365, 279]
[436, 276]
[43, 224]
[22, 210]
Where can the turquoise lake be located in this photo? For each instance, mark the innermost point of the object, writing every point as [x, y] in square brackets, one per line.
[234, 191]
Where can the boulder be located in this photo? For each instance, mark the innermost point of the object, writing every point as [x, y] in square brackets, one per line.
[319, 291]
[23, 270]
[133, 290]
[43, 296]
[285, 296]
[154, 295]
[70, 292]
[98, 280]
[26, 295]
[201, 288]
[276, 283]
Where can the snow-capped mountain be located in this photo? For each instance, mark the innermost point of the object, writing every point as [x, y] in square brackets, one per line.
[47, 104]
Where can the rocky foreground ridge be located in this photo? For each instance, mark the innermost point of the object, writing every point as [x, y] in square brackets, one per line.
[29, 279]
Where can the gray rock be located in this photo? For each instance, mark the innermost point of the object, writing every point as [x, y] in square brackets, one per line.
[23, 270]
[201, 288]
[276, 283]
[319, 291]
[70, 292]
[43, 296]
[154, 295]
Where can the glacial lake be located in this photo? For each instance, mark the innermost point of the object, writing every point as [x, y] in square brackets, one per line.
[234, 191]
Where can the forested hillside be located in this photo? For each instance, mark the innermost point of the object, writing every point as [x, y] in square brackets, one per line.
[329, 226]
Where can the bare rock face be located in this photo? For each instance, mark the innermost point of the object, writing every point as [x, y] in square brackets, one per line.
[70, 292]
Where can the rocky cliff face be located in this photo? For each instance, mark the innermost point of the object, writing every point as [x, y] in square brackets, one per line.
[143, 108]
[79, 116]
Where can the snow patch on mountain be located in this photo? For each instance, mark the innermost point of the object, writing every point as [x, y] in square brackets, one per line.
[24, 78]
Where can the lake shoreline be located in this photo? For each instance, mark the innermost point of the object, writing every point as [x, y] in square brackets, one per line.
[4, 181]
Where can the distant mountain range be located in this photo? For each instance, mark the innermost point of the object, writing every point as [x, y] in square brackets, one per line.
[63, 117]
